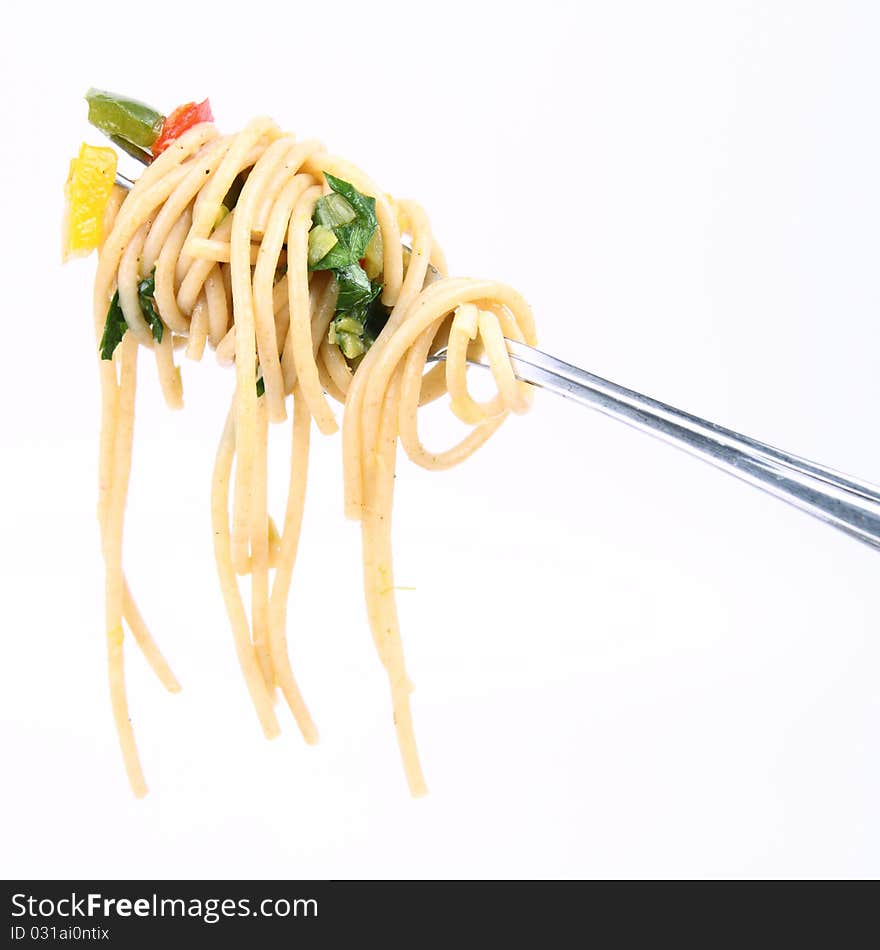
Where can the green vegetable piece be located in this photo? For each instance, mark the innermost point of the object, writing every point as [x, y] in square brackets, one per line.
[114, 329]
[332, 211]
[321, 241]
[351, 345]
[355, 289]
[353, 237]
[115, 325]
[146, 290]
[349, 218]
[133, 121]
[375, 319]
[373, 259]
[261, 386]
[344, 324]
[363, 321]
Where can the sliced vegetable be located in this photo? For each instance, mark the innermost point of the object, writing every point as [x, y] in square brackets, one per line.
[87, 191]
[114, 329]
[133, 121]
[332, 211]
[373, 259]
[181, 120]
[138, 128]
[321, 241]
[352, 346]
[345, 324]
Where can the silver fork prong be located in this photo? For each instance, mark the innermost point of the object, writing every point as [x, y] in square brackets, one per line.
[533, 357]
[851, 505]
[135, 151]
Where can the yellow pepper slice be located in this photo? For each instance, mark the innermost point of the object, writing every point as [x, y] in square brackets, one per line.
[91, 178]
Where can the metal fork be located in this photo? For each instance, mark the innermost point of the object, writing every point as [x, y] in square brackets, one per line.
[848, 504]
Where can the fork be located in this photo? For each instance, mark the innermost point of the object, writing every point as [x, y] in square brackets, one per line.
[849, 504]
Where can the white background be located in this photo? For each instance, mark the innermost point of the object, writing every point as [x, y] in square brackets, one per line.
[627, 664]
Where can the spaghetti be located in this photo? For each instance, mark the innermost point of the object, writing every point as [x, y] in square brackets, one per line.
[185, 270]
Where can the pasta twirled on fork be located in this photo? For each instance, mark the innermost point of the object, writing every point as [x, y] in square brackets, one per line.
[224, 242]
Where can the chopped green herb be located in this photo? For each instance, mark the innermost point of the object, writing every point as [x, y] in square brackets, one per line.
[375, 320]
[114, 329]
[146, 290]
[355, 289]
[261, 386]
[115, 325]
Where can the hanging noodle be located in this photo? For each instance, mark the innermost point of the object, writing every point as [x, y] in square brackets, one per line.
[221, 282]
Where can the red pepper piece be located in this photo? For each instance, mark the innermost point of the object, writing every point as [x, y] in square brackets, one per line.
[181, 119]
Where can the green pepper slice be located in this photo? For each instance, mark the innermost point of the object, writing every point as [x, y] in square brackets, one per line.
[120, 117]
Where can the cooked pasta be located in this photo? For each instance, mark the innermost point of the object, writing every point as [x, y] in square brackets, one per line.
[215, 247]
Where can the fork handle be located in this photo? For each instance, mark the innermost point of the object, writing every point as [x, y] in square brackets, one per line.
[848, 504]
